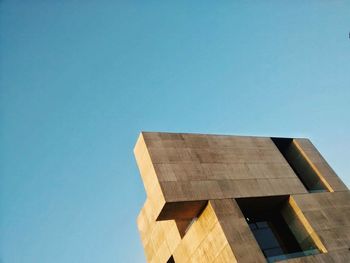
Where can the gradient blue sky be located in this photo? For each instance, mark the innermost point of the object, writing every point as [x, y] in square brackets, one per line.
[81, 79]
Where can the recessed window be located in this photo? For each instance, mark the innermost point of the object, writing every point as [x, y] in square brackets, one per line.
[300, 165]
[273, 226]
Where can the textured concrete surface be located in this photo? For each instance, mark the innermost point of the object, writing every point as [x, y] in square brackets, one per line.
[192, 181]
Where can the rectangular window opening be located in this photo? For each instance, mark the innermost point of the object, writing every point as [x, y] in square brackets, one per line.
[300, 165]
[276, 228]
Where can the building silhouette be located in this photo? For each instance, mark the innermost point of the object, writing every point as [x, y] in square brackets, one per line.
[219, 198]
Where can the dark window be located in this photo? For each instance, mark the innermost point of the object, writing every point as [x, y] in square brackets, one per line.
[300, 165]
[267, 218]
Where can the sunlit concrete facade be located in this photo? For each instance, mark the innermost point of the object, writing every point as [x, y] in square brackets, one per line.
[207, 195]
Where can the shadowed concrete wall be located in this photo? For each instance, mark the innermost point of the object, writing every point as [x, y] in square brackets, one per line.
[192, 180]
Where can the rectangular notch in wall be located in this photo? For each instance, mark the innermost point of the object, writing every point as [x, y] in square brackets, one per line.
[184, 213]
[300, 165]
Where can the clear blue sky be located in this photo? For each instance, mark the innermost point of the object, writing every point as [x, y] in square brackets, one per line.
[81, 79]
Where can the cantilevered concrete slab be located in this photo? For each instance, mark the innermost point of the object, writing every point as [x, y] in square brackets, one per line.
[192, 182]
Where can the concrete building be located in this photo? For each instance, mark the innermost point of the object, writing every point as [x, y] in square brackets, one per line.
[218, 198]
